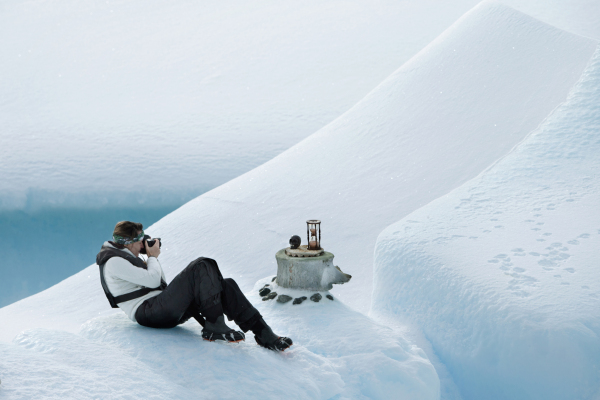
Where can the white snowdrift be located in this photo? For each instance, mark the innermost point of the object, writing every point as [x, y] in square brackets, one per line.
[438, 121]
[206, 90]
[430, 127]
[441, 119]
[502, 273]
[337, 355]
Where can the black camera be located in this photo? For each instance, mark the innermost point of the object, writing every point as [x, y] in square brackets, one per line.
[150, 243]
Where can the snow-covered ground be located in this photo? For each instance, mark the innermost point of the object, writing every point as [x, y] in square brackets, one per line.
[427, 129]
[414, 146]
[111, 357]
[502, 274]
[127, 104]
[203, 91]
[199, 92]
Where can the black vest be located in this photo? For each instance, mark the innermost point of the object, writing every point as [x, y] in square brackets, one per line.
[106, 253]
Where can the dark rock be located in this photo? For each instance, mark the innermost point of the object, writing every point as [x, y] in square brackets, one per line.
[264, 291]
[273, 280]
[330, 297]
[316, 297]
[299, 300]
[283, 298]
[270, 296]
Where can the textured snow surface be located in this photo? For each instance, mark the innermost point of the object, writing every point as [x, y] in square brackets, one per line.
[427, 129]
[454, 109]
[335, 355]
[502, 273]
[192, 93]
[97, 96]
[431, 126]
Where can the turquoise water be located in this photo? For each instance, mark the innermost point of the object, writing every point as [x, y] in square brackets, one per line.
[42, 248]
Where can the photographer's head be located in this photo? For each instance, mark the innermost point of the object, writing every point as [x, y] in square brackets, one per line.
[130, 235]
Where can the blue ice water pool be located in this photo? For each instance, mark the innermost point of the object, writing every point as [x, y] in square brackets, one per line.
[42, 248]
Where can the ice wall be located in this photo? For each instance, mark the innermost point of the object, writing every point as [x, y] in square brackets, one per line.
[502, 273]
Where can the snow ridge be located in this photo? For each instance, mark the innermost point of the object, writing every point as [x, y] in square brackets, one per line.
[501, 273]
[431, 126]
[459, 105]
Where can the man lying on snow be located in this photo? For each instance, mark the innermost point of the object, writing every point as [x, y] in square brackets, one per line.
[139, 289]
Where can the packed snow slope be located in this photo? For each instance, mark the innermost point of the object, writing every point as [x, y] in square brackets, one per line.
[502, 273]
[194, 93]
[438, 121]
[334, 356]
[190, 93]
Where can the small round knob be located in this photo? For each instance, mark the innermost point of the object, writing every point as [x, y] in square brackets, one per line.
[295, 241]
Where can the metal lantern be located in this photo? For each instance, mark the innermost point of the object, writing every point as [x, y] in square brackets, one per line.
[313, 233]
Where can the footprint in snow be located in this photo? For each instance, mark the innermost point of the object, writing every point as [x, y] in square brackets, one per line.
[571, 270]
[547, 264]
[584, 236]
[573, 242]
[518, 252]
[515, 285]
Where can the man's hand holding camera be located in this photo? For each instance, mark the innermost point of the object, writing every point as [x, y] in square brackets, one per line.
[154, 250]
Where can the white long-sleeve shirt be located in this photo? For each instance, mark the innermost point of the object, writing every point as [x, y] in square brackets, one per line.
[122, 277]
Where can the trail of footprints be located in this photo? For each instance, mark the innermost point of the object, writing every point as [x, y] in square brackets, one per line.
[556, 253]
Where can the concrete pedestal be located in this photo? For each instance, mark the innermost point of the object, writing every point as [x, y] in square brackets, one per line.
[313, 273]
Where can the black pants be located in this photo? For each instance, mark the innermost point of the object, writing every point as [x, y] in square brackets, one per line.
[199, 288]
